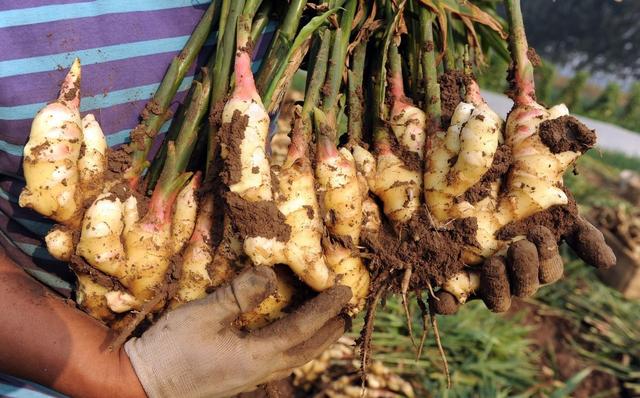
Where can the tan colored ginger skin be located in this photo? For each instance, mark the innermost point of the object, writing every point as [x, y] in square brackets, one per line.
[471, 140]
[253, 186]
[296, 200]
[199, 271]
[64, 164]
[388, 177]
[533, 183]
[136, 250]
[58, 178]
[296, 190]
[341, 198]
[184, 214]
[51, 155]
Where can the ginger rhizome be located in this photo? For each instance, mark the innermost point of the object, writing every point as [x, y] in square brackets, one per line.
[542, 144]
[64, 164]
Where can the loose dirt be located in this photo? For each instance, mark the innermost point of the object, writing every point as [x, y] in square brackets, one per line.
[500, 166]
[567, 133]
[260, 218]
[451, 84]
[231, 136]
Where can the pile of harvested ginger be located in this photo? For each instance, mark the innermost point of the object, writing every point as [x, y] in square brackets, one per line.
[391, 176]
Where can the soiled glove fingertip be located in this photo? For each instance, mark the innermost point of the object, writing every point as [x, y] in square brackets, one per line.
[589, 244]
[522, 258]
[494, 285]
[254, 286]
[446, 304]
[339, 293]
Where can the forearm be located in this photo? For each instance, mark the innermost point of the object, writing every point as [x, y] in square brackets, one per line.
[49, 341]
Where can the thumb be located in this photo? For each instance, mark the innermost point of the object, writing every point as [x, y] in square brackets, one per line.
[244, 293]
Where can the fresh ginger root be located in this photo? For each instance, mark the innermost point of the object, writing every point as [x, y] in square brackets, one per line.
[395, 181]
[543, 144]
[200, 271]
[52, 153]
[136, 249]
[295, 196]
[184, 214]
[471, 141]
[64, 163]
[297, 202]
[341, 201]
[91, 296]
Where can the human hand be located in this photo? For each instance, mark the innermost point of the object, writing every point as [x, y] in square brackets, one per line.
[195, 350]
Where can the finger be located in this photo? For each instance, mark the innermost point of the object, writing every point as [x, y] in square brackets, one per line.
[243, 294]
[522, 267]
[494, 285]
[312, 348]
[445, 303]
[551, 267]
[589, 244]
[306, 321]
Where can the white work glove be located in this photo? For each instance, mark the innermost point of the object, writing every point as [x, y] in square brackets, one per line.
[195, 351]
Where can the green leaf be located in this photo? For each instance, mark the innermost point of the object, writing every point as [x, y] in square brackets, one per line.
[571, 384]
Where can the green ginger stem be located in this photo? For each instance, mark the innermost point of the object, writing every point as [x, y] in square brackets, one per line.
[338, 57]
[270, 94]
[188, 134]
[356, 96]
[318, 74]
[280, 45]
[524, 92]
[261, 20]
[225, 54]
[250, 8]
[433, 107]
[165, 93]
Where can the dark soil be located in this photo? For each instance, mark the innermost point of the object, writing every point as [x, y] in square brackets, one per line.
[411, 160]
[122, 191]
[451, 84]
[435, 254]
[257, 218]
[533, 56]
[231, 136]
[500, 166]
[118, 161]
[567, 133]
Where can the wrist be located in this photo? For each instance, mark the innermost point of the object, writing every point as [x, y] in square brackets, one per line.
[127, 383]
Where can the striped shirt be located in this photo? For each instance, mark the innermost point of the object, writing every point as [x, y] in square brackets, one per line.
[125, 47]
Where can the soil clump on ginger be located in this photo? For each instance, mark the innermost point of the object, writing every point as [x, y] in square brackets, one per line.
[451, 84]
[560, 220]
[501, 163]
[260, 218]
[567, 133]
[411, 160]
[231, 136]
